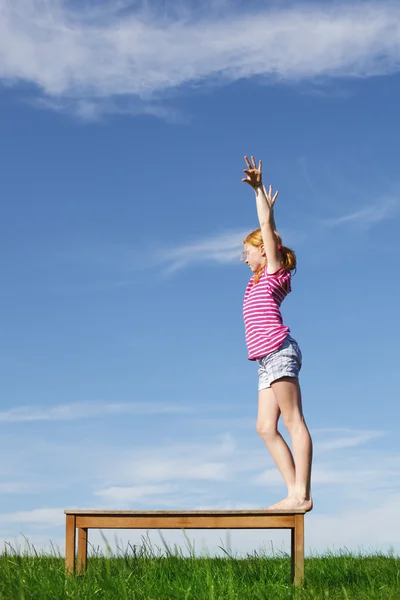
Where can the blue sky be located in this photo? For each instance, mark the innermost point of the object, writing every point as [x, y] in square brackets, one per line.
[124, 375]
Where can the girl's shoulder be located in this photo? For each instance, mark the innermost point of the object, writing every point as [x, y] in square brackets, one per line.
[279, 279]
[281, 273]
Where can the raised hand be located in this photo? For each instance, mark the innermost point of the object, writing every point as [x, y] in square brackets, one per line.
[268, 194]
[254, 173]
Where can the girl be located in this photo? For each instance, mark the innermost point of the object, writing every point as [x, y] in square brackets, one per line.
[270, 344]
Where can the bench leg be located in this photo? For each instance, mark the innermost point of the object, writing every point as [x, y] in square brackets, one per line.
[70, 534]
[82, 549]
[298, 550]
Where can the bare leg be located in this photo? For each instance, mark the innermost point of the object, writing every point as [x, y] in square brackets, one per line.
[288, 397]
[267, 429]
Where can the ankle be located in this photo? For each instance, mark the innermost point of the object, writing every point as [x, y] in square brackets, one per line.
[301, 495]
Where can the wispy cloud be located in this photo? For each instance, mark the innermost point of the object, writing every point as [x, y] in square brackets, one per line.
[133, 53]
[177, 467]
[328, 474]
[348, 439]
[336, 463]
[101, 260]
[211, 461]
[84, 410]
[48, 516]
[93, 109]
[14, 487]
[135, 492]
[370, 215]
[222, 248]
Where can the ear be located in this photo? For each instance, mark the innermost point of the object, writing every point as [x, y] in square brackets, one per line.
[262, 250]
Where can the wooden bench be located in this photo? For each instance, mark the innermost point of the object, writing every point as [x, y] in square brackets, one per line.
[82, 520]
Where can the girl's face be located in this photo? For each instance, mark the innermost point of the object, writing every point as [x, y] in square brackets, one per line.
[254, 256]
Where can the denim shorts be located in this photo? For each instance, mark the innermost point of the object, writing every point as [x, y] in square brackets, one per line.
[284, 362]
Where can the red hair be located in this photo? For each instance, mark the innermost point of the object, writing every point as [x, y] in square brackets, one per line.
[289, 261]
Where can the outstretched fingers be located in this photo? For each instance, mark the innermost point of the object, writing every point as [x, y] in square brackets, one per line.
[247, 171]
[254, 173]
[259, 164]
[268, 194]
[252, 164]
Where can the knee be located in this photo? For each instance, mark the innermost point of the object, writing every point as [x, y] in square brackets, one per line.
[266, 429]
[293, 422]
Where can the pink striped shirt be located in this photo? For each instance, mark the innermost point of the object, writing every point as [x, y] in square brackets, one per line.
[263, 322]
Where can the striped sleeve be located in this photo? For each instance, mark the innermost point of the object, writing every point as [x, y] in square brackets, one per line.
[279, 281]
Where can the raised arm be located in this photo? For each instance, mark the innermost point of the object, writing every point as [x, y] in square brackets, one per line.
[265, 211]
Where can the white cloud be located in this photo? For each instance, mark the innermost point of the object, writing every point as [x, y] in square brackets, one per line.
[47, 516]
[84, 58]
[92, 109]
[349, 439]
[370, 215]
[365, 529]
[343, 459]
[84, 410]
[270, 477]
[327, 474]
[177, 467]
[135, 492]
[221, 248]
[15, 487]
[208, 462]
[355, 476]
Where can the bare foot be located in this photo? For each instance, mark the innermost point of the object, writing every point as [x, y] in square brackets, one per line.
[293, 503]
[278, 505]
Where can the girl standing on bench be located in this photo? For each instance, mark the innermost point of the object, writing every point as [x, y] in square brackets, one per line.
[270, 344]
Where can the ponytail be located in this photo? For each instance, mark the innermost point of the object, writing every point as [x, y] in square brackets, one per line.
[289, 260]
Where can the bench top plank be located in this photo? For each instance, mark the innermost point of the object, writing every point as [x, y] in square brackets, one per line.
[175, 513]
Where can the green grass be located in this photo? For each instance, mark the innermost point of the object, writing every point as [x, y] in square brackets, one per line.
[143, 574]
